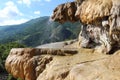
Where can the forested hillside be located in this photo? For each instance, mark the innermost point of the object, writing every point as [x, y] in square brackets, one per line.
[39, 31]
[4, 52]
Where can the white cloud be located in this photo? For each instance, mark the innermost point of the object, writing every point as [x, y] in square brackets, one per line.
[29, 2]
[47, 0]
[9, 13]
[20, 2]
[36, 0]
[37, 12]
[26, 2]
[12, 22]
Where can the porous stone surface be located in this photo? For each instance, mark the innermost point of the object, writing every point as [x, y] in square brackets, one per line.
[83, 64]
[24, 63]
[28, 63]
[102, 69]
[100, 23]
[65, 12]
[101, 19]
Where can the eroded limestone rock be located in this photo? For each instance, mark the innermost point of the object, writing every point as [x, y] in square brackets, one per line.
[32, 64]
[98, 16]
[103, 69]
[100, 23]
[24, 63]
[28, 63]
[65, 12]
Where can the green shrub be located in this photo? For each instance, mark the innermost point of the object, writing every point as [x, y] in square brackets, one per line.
[4, 52]
[10, 77]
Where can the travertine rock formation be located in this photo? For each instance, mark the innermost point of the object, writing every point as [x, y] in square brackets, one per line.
[94, 11]
[65, 12]
[101, 16]
[103, 69]
[101, 23]
[28, 63]
[41, 64]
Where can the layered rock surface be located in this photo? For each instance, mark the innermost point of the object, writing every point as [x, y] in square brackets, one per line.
[101, 69]
[28, 63]
[62, 64]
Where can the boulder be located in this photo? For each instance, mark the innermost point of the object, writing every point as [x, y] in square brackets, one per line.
[24, 63]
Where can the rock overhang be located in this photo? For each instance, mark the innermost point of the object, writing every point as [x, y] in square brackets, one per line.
[102, 16]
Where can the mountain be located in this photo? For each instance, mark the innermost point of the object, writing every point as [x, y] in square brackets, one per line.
[39, 31]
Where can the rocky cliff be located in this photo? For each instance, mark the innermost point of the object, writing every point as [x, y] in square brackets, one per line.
[100, 19]
[62, 64]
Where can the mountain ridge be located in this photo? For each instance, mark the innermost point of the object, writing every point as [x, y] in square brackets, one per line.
[39, 31]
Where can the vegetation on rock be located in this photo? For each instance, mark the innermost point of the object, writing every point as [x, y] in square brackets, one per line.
[4, 52]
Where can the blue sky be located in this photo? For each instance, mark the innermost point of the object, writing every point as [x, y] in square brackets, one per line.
[20, 11]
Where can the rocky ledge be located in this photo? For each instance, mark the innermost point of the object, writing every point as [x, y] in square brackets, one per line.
[52, 64]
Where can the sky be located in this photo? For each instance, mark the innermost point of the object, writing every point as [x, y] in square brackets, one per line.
[19, 11]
